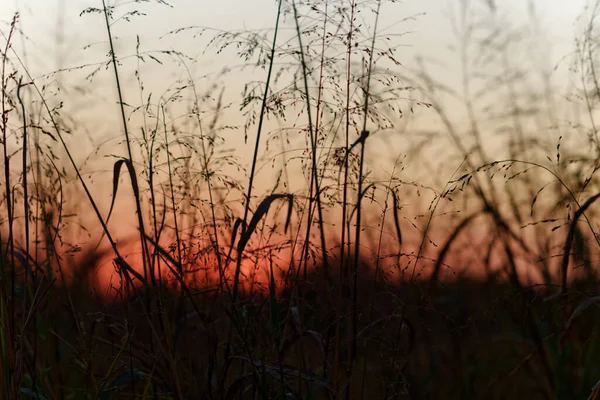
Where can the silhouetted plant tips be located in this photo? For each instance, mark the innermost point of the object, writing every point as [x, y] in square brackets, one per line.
[323, 208]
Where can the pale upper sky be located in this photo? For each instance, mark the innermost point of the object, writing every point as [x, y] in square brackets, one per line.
[45, 21]
[57, 36]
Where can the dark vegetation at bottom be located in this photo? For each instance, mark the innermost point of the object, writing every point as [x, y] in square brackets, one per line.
[460, 339]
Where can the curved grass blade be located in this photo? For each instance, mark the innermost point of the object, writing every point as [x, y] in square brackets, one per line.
[396, 218]
[116, 173]
[261, 211]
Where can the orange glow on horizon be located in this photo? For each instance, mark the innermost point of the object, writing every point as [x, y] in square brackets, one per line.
[465, 258]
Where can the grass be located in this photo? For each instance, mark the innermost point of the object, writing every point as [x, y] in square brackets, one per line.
[328, 276]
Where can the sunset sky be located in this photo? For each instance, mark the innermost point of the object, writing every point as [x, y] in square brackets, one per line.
[56, 37]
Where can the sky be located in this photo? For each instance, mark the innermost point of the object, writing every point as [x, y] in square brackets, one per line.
[48, 22]
[56, 36]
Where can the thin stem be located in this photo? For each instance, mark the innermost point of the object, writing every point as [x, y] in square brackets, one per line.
[128, 142]
[363, 139]
[312, 138]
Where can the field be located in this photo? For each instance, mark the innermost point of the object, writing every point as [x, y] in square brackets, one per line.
[324, 215]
